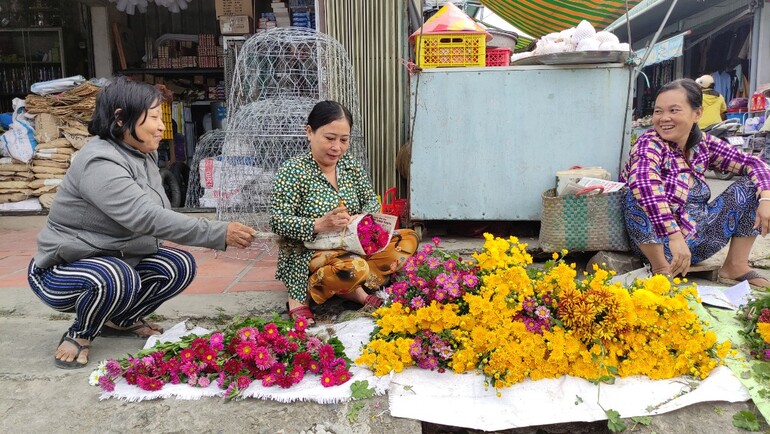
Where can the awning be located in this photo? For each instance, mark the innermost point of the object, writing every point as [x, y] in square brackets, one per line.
[540, 17]
[664, 50]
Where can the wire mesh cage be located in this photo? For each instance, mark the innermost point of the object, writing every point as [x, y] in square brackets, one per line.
[279, 75]
[202, 183]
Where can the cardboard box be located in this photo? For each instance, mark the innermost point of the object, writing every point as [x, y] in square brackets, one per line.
[236, 25]
[234, 8]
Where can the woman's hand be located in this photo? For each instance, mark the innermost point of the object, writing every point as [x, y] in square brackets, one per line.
[680, 254]
[334, 220]
[762, 221]
[239, 235]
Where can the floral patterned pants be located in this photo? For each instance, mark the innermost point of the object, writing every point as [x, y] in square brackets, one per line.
[731, 214]
[340, 272]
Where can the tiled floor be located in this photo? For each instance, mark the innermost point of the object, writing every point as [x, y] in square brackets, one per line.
[216, 273]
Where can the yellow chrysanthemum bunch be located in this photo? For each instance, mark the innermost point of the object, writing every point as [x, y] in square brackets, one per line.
[524, 322]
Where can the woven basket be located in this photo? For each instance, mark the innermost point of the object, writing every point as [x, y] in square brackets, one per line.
[584, 223]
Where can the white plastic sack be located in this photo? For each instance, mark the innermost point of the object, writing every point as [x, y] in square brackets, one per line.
[347, 239]
[241, 172]
[19, 141]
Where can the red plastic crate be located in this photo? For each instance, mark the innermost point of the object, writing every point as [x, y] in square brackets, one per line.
[500, 56]
[393, 206]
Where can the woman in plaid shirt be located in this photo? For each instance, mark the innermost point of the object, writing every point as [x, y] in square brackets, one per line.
[669, 218]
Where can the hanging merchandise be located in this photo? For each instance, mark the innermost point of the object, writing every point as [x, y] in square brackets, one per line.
[131, 6]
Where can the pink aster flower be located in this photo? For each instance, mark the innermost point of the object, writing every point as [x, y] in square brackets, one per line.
[204, 381]
[436, 241]
[433, 263]
[326, 353]
[314, 367]
[216, 341]
[243, 382]
[271, 331]
[300, 324]
[186, 355]
[113, 368]
[190, 368]
[262, 358]
[417, 303]
[278, 369]
[246, 349]
[341, 376]
[106, 383]
[427, 248]
[328, 379]
[269, 380]
[313, 344]
[542, 312]
[148, 383]
[529, 304]
[470, 280]
[450, 265]
[297, 374]
[280, 345]
[192, 380]
[440, 295]
[247, 333]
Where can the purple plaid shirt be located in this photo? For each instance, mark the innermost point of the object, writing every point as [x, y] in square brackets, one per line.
[659, 177]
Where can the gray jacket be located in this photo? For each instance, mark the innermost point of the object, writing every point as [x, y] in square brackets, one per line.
[111, 203]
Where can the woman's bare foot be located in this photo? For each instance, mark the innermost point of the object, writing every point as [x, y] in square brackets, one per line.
[736, 272]
[68, 352]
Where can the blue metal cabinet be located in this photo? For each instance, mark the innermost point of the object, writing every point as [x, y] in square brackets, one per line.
[487, 142]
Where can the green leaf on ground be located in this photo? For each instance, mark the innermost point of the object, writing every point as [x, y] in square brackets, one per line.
[642, 420]
[614, 422]
[361, 390]
[355, 408]
[747, 420]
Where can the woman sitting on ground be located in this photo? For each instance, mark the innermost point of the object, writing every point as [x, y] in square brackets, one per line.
[668, 214]
[321, 191]
[100, 254]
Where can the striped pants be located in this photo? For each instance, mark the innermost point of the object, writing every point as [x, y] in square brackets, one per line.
[106, 288]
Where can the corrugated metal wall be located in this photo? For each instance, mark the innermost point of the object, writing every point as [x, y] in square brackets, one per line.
[373, 32]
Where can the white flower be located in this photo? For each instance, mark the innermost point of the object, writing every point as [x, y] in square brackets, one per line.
[93, 379]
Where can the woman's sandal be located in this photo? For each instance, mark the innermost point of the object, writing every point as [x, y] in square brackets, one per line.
[301, 311]
[131, 332]
[372, 302]
[73, 364]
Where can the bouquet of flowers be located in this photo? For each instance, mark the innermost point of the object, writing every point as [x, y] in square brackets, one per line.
[755, 318]
[371, 235]
[512, 322]
[366, 234]
[273, 352]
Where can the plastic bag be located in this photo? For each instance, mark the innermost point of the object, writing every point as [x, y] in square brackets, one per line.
[19, 141]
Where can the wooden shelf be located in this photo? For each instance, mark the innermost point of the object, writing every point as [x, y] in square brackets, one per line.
[178, 71]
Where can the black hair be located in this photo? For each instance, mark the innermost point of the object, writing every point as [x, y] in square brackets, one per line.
[694, 94]
[326, 112]
[131, 100]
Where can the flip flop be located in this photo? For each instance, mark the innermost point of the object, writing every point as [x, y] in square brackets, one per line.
[748, 276]
[74, 364]
[131, 332]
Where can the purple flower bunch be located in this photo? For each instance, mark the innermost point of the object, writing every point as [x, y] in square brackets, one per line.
[432, 350]
[431, 275]
[538, 312]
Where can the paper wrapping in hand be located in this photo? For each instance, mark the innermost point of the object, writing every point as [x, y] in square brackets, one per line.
[347, 239]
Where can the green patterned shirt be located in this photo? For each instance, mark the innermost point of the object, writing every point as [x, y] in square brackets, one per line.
[302, 194]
